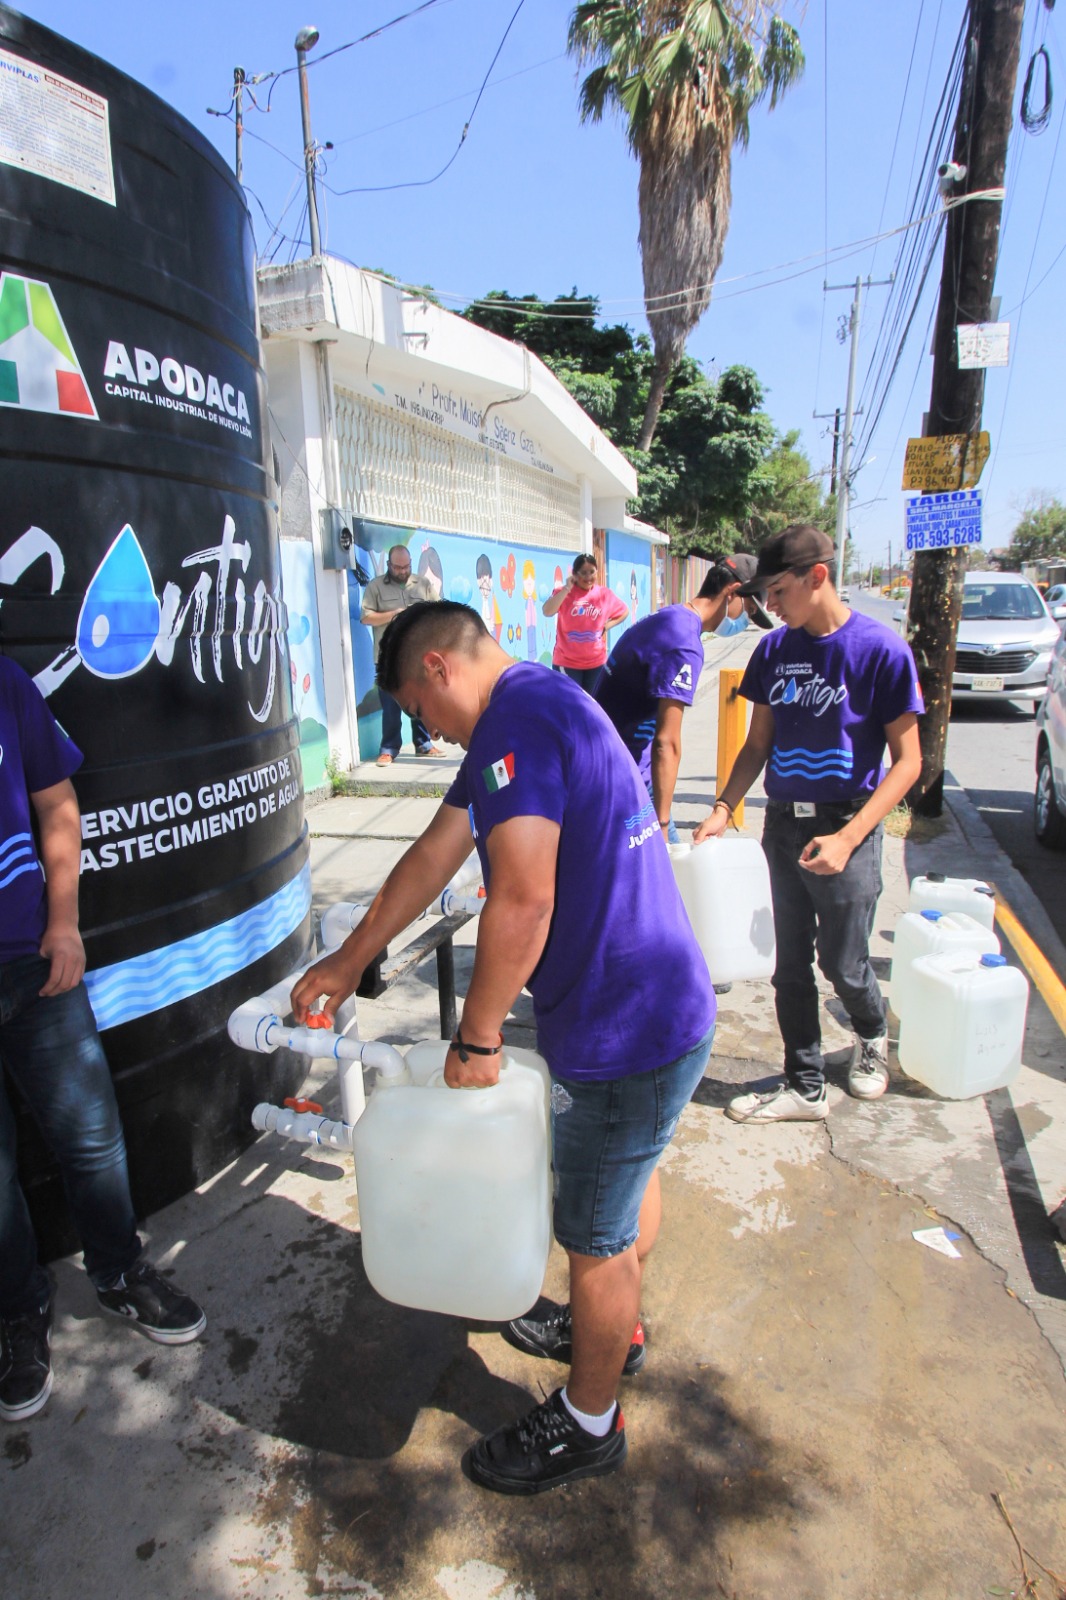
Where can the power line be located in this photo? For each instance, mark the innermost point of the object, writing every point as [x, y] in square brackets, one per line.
[424, 183]
[440, 105]
[363, 39]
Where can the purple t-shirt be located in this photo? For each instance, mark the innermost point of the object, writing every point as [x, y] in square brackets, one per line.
[622, 986]
[832, 698]
[658, 658]
[35, 753]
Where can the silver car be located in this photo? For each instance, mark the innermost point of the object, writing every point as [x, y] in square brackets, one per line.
[1055, 600]
[1005, 639]
[1049, 808]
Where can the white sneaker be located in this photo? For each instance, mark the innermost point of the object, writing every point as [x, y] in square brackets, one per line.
[778, 1105]
[868, 1072]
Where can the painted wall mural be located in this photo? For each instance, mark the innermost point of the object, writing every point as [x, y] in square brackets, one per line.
[305, 657]
[629, 575]
[507, 583]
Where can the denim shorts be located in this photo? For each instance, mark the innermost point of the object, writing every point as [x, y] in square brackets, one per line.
[607, 1138]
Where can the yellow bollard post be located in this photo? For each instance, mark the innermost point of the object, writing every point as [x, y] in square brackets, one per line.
[732, 729]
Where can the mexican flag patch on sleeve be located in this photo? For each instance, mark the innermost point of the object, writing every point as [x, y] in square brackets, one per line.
[499, 774]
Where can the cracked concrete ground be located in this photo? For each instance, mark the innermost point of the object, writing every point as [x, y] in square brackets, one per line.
[827, 1407]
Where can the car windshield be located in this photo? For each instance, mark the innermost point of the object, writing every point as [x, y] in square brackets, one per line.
[1000, 602]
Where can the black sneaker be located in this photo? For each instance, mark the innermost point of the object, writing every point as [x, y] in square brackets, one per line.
[551, 1337]
[143, 1296]
[25, 1363]
[544, 1449]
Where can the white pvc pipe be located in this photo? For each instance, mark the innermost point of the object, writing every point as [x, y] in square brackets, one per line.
[338, 922]
[469, 874]
[451, 902]
[305, 1126]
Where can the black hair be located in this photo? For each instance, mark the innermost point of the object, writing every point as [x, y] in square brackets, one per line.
[484, 567]
[583, 561]
[717, 579]
[393, 549]
[427, 625]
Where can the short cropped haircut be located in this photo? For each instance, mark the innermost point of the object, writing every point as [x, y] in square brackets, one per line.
[427, 625]
[717, 579]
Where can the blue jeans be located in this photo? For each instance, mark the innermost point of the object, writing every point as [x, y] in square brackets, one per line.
[608, 1136]
[52, 1051]
[831, 917]
[391, 729]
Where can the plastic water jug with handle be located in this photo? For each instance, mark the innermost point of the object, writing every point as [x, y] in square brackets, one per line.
[725, 886]
[963, 1028]
[455, 1186]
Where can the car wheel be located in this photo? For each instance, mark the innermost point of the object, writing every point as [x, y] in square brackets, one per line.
[1048, 821]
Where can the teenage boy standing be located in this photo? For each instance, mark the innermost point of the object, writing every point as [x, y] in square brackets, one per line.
[830, 690]
[582, 909]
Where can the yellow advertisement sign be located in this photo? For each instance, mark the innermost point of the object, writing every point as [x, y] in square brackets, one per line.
[954, 461]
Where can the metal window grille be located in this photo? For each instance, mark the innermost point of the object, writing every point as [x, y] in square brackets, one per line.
[404, 470]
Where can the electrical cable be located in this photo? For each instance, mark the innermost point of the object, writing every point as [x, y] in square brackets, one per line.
[440, 105]
[363, 38]
[424, 183]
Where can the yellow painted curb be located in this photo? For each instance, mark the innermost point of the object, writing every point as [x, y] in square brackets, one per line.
[1034, 961]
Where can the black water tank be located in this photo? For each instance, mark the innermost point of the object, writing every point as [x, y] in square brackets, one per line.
[140, 584]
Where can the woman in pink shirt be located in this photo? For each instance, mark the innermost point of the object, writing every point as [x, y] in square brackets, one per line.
[584, 610]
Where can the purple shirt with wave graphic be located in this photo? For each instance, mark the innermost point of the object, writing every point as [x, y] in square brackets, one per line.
[832, 698]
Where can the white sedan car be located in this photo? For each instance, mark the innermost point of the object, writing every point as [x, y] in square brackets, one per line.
[1005, 639]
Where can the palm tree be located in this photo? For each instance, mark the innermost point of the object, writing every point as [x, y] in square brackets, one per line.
[685, 74]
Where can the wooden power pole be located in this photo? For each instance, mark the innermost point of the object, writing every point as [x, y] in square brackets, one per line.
[971, 247]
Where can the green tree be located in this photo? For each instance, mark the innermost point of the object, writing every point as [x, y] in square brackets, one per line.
[1040, 535]
[685, 74]
[787, 491]
[717, 477]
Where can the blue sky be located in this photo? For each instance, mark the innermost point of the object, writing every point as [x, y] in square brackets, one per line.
[536, 202]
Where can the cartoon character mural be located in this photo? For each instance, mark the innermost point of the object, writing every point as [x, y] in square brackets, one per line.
[490, 606]
[429, 567]
[529, 589]
[629, 574]
[305, 657]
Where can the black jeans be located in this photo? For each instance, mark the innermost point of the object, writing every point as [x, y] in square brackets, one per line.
[52, 1050]
[831, 916]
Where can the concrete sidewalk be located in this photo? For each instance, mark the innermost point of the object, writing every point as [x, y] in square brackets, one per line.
[827, 1406]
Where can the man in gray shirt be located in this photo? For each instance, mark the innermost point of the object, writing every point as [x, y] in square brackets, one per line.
[394, 590]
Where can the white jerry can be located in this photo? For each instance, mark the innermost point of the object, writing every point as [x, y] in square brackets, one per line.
[929, 933]
[935, 892]
[455, 1187]
[725, 886]
[963, 1029]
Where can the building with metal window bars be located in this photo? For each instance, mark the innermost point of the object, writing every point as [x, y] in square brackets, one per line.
[396, 422]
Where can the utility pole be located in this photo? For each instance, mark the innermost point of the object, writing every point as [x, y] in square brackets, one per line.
[844, 486]
[238, 98]
[971, 248]
[306, 40]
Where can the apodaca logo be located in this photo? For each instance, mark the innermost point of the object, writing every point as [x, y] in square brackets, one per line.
[38, 368]
[683, 679]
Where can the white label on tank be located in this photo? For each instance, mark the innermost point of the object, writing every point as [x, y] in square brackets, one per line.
[54, 128]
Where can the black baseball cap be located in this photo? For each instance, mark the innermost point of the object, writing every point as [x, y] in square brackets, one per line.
[799, 546]
[743, 569]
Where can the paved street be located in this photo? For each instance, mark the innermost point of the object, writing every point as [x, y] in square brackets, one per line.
[992, 754]
[827, 1409]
